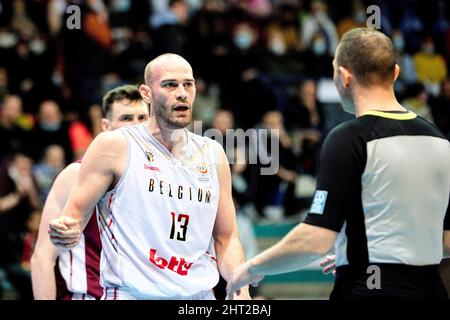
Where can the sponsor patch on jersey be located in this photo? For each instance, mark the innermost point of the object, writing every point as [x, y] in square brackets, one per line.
[146, 166]
[318, 203]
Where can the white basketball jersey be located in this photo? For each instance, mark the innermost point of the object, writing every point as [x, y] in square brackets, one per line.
[156, 224]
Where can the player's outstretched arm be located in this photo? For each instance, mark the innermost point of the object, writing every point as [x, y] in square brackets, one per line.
[45, 253]
[104, 161]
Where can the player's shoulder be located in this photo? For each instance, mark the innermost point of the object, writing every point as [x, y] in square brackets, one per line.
[202, 140]
[69, 174]
[110, 139]
[210, 146]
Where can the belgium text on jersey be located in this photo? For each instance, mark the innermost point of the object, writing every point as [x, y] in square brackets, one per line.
[201, 195]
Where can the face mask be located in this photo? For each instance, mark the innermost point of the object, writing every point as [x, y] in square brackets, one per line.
[52, 127]
[399, 43]
[97, 6]
[319, 47]
[243, 40]
[7, 40]
[360, 17]
[13, 173]
[120, 6]
[320, 15]
[37, 46]
[277, 47]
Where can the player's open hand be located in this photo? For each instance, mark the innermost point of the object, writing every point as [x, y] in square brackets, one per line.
[64, 232]
[242, 277]
[329, 265]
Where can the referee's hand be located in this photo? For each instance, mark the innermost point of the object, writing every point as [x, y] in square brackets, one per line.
[329, 265]
[240, 279]
[64, 232]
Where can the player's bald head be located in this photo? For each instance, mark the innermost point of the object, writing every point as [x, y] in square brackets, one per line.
[163, 61]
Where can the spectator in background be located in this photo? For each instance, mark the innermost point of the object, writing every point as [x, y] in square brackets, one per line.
[440, 108]
[29, 241]
[430, 66]
[169, 28]
[254, 8]
[160, 6]
[13, 138]
[50, 129]
[95, 119]
[3, 84]
[317, 58]
[319, 22]
[210, 41]
[85, 52]
[19, 196]
[46, 170]
[281, 57]
[271, 192]
[405, 61]
[21, 21]
[304, 122]
[243, 92]
[30, 61]
[356, 19]
[206, 101]
[79, 135]
[416, 100]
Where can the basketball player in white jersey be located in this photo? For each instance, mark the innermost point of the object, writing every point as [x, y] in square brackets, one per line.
[164, 193]
[76, 275]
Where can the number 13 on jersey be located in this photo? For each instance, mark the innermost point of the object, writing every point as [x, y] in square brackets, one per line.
[179, 225]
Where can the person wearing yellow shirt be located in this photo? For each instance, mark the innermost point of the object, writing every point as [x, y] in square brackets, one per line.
[430, 66]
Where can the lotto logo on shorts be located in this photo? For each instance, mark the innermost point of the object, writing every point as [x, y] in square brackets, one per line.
[318, 203]
[177, 265]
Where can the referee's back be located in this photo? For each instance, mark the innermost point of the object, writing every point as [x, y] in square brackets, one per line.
[389, 205]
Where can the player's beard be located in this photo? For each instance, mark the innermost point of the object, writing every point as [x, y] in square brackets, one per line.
[169, 118]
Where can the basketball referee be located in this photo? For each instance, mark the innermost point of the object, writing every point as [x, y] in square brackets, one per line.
[382, 191]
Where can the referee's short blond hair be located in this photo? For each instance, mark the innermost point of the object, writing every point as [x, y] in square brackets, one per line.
[369, 55]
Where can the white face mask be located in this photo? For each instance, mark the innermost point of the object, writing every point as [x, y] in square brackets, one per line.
[319, 47]
[7, 40]
[399, 43]
[243, 40]
[277, 47]
[97, 6]
[120, 5]
[360, 17]
[37, 46]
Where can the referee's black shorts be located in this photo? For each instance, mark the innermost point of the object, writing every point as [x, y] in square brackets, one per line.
[397, 282]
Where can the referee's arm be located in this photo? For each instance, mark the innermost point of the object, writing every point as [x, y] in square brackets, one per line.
[446, 240]
[446, 244]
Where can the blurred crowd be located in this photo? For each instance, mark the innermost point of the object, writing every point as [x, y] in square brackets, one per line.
[259, 64]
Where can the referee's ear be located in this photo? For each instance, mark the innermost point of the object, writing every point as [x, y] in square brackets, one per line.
[144, 90]
[345, 76]
[396, 71]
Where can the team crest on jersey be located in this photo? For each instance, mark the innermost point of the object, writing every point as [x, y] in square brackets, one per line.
[318, 203]
[202, 167]
[202, 170]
